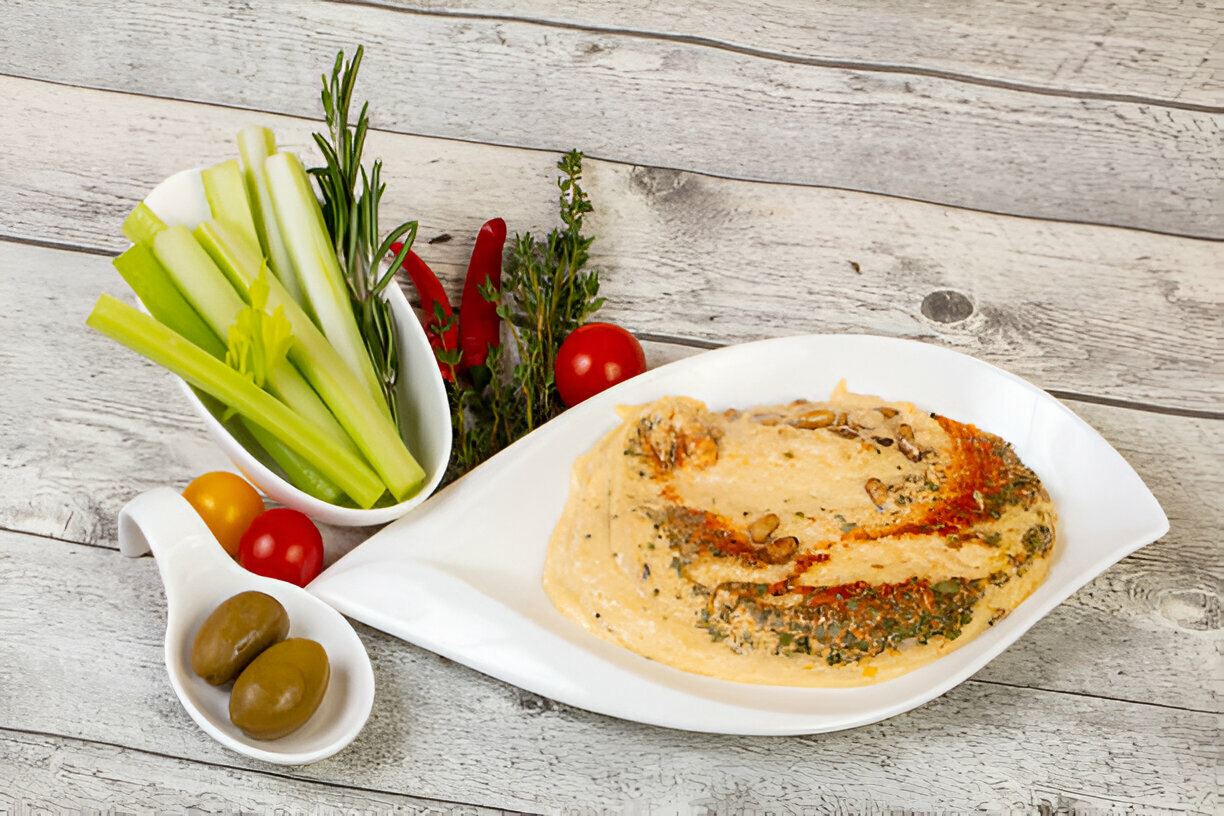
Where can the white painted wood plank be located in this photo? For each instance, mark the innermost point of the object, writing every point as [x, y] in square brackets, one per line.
[440, 731]
[85, 425]
[79, 432]
[47, 774]
[1120, 314]
[1152, 48]
[650, 101]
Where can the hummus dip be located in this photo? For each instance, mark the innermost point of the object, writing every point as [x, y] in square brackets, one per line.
[835, 543]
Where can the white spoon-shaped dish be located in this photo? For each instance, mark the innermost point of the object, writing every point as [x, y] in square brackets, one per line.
[198, 575]
[461, 574]
[180, 199]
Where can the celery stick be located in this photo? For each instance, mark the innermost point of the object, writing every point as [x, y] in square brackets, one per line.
[256, 144]
[364, 420]
[227, 197]
[314, 258]
[300, 473]
[218, 302]
[198, 278]
[149, 280]
[151, 339]
[142, 224]
[237, 258]
[288, 385]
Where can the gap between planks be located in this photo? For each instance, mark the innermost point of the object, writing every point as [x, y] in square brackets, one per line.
[1072, 396]
[778, 56]
[1001, 684]
[260, 771]
[968, 681]
[595, 156]
[705, 345]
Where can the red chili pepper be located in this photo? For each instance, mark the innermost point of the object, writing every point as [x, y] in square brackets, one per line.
[430, 291]
[479, 325]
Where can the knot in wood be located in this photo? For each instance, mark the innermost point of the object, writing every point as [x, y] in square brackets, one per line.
[1193, 609]
[533, 704]
[946, 306]
[659, 182]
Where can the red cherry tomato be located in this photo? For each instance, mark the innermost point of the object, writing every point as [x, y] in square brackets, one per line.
[228, 505]
[594, 357]
[283, 544]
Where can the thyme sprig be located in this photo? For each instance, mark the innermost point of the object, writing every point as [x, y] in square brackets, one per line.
[546, 293]
[350, 211]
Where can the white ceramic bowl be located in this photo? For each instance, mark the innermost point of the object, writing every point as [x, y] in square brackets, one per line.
[422, 395]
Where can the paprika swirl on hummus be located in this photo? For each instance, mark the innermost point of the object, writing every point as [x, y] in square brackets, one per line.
[835, 543]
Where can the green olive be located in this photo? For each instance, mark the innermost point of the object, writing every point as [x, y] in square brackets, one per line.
[235, 633]
[280, 690]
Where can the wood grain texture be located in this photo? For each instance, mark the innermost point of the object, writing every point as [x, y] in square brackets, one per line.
[440, 731]
[1091, 310]
[645, 100]
[86, 425]
[1091, 112]
[1164, 50]
[48, 774]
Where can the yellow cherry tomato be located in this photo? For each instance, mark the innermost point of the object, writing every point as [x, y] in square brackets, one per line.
[227, 503]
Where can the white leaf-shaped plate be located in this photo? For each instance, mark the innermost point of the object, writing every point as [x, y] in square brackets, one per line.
[460, 575]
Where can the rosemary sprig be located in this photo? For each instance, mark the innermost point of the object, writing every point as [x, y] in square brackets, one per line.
[546, 293]
[350, 211]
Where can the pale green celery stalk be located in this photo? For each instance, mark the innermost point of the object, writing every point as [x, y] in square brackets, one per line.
[314, 258]
[142, 224]
[226, 191]
[365, 421]
[149, 280]
[298, 469]
[172, 351]
[198, 278]
[217, 300]
[256, 144]
[290, 387]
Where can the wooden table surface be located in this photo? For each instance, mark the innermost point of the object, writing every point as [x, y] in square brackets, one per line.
[1034, 183]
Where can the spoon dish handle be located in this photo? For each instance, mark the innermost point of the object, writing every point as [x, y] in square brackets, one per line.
[162, 522]
[157, 521]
